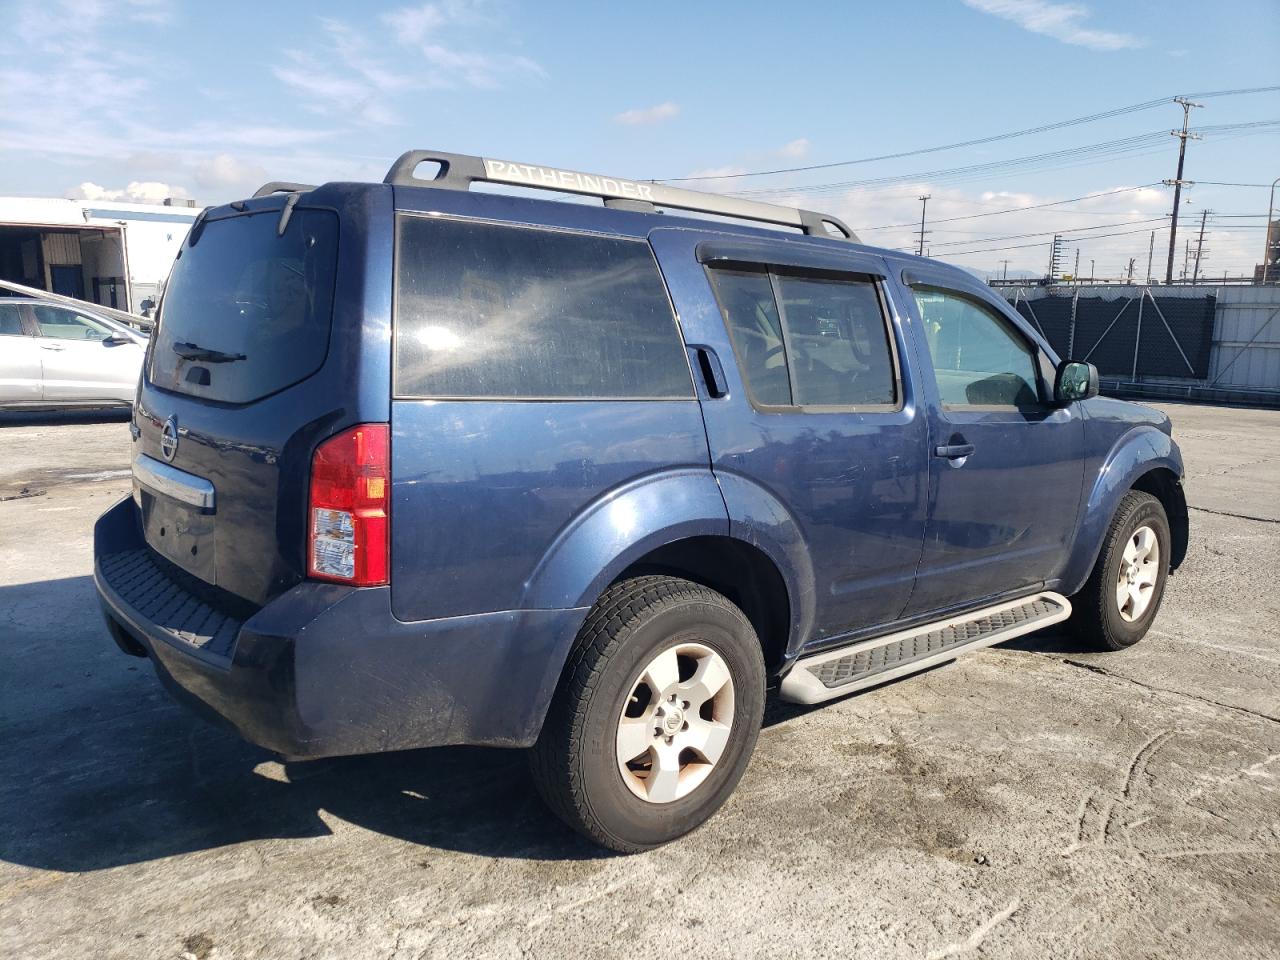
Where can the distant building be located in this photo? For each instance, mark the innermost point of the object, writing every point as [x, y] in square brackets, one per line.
[1271, 264]
[108, 252]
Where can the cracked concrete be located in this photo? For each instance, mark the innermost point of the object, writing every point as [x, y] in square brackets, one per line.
[1031, 800]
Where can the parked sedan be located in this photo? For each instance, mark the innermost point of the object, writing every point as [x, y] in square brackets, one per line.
[53, 355]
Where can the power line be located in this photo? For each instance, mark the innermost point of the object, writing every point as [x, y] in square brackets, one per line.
[1024, 246]
[1043, 128]
[1033, 206]
[1048, 233]
[1088, 153]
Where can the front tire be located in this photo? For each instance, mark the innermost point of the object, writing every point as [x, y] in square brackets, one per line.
[1118, 604]
[655, 716]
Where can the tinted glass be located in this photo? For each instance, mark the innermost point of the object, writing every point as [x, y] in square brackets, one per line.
[10, 320]
[68, 325]
[977, 357]
[746, 300]
[244, 290]
[499, 311]
[837, 341]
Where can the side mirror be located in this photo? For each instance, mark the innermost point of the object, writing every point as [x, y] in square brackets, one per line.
[116, 339]
[1075, 381]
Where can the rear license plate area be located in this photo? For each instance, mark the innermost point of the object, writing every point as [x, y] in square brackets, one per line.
[179, 533]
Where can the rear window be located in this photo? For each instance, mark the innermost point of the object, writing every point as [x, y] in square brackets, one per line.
[511, 312]
[250, 309]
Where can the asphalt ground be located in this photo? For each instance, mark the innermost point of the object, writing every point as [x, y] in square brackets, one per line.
[1028, 801]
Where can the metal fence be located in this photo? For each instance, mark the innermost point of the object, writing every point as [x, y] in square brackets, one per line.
[1217, 343]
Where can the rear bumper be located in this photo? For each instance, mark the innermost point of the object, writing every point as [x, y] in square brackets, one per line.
[325, 670]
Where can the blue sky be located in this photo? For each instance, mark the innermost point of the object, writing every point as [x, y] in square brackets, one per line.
[144, 98]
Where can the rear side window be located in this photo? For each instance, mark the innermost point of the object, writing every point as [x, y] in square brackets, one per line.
[808, 341]
[247, 312]
[484, 310]
[10, 320]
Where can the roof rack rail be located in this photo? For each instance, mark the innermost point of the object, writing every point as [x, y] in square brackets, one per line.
[458, 171]
[280, 186]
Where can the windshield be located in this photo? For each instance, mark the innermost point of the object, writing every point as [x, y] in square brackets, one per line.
[260, 302]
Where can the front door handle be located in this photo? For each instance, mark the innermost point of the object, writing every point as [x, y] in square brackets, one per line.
[52, 346]
[953, 451]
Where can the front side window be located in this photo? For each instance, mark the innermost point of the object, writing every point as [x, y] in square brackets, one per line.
[808, 341]
[978, 359]
[495, 311]
[68, 325]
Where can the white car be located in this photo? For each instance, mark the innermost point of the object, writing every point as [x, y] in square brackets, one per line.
[53, 355]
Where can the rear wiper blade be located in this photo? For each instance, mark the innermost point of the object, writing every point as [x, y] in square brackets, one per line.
[193, 351]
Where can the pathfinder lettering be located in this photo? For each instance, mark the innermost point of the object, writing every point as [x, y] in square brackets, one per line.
[524, 173]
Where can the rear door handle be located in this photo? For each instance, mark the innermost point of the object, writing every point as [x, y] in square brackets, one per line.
[706, 362]
[953, 451]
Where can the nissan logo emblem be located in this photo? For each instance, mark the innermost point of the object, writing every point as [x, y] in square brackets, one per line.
[169, 439]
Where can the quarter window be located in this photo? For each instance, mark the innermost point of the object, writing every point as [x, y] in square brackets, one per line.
[808, 341]
[520, 313]
[978, 359]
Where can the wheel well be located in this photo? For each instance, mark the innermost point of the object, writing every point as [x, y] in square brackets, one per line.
[1164, 485]
[741, 572]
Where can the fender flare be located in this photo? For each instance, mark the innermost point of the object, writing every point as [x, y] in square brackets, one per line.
[619, 527]
[1139, 451]
[628, 522]
[759, 518]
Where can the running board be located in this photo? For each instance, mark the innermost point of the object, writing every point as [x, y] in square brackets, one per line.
[834, 673]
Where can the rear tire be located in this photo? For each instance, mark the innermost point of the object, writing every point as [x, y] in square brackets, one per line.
[655, 716]
[1118, 604]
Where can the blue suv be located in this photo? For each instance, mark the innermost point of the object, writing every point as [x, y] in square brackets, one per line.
[416, 464]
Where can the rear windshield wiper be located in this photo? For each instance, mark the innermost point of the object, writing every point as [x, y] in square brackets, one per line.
[193, 351]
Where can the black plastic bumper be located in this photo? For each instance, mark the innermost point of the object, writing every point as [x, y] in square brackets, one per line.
[325, 670]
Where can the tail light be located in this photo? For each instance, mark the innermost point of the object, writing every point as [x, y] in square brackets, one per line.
[349, 507]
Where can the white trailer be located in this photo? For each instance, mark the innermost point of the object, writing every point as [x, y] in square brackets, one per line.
[106, 252]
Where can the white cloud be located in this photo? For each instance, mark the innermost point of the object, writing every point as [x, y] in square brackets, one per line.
[429, 30]
[796, 149]
[1062, 21]
[138, 191]
[223, 172]
[644, 115]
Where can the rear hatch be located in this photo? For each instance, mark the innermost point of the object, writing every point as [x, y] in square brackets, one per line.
[273, 316]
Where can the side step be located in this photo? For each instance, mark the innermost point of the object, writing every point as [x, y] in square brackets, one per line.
[834, 673]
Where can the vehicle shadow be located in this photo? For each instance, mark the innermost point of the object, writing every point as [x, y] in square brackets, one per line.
[99, 768]
[28, 418]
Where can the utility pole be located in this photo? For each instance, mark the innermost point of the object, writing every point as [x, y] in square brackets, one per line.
[1055, 257]
[1004, 269]
[1131, 269]
[1091, 270]
[1177, 182]
[1200, 250]
[1151, 252]
[924, 205]
[1266, 250]
[1075, 273]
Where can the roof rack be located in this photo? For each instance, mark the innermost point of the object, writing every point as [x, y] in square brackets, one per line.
[458, 171]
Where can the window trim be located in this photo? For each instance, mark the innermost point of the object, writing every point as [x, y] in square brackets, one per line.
[773, 273]
[397, 394]
[1005, 323]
